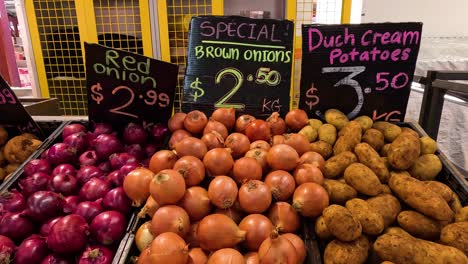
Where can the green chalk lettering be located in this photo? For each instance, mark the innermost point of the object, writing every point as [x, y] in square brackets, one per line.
[99, 68]
[144, 67]
[111, 55]
[144, 79]
[127, 61]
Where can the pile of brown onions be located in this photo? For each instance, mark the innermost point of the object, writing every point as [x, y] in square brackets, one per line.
[230, 190]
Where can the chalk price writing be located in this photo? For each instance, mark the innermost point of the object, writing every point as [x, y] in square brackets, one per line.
[383, 79]
[28, 128]
[313, 98]
[6, 97]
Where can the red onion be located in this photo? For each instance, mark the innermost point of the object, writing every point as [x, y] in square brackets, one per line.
[94, 189]
[117, 200]
[37, 165]
[43, 205]
[96, 255]
[70, 204]
[64, 184]
[136, 151]
[158, 133]
[45, 154]
[106, 145]
[12, 201]
[78, 141]
[68, 235]
[57, 259]
[32, 250]
[72, 129]
[88, 209]
[101, 128]
[89, 158]
[7, 249]
[61, 153]
[127, 168]
[115, 178]
[64, 169]
[88, 172]
[105, 166]
[108, 227]
[150, 149]
[39, 181]
[134, 134]
[117, 160]
[15, 226]
[45, 228]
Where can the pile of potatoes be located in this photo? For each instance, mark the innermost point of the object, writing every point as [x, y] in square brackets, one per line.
[15, 151]
[385, 205]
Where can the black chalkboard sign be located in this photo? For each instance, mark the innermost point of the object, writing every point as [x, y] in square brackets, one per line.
[13, 114]
[127, 87]
[363, 69]
[239, 62]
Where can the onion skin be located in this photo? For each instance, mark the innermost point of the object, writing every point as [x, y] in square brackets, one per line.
[192, 169]
[308, 173]
[144, 256]
[234, 213]
[96, 255]
[261, 156]
[108, 227]
[298, 141]
[213, 140]
[15, 226]
[177, 136]
[238, 143]
[277, 124]
[191, 237]
[314, 158]
[284, 218]
[251, 258]
[226, 116]
[170, 218]
[277, 249]
[32, 250]
[136, 185]
[298, 244]
[260, 144]
[43, 205]
[197, 256]
[296, 119]
[94, 189]
[246, 169]
[211, 237]
[281, 183]
[191, 146]
[218, 161]
[162, 160]
[258, 228]
[195, 121]
[167, 187]
[254, 197]
[61, 240]
[12, 201]
[143, 236]
[214, 125]
[149, 209]
[282, 157]
[176, 122]
[242, 122]
[196, 203]
[226, 256]
[37, 165]
[310, 199]
[258, 130]
[7, 249]
[168, 248]
[277, 139]
[222, 192]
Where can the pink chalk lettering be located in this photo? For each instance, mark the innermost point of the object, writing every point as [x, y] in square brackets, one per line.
[311, 39]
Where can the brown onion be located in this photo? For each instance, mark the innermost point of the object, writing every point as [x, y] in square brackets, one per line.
[149, 209]
[136, 185]
[226, 256]
[258, 130]
[282, 157]
[277, 249]
[258, 228]
[298, 244]
[195, 121]
[261, 156]
[260, 144]
[296, 119]
[284, 217]
[215, 126]
[143, 236]
[313, 158]
[218, 231]
[197, 256]
[168, 248]
[251, 258]
[310, 199]
[218, 161]
[281, 183]
[177, 136]
[170, 218]
[196, 203]
[144, 256]
[277, 139]
[213, 140]
[277, 124]
[242, 122]
[191, 146]
[222, 191]
[254, 197]
[191, 237]
[298, 141]
[176, 122]
[238, 143]
[167, 187]
[235, 214]
[246, 169]
[192, 169]
[161, 160]
[227, 116]
[308, 173]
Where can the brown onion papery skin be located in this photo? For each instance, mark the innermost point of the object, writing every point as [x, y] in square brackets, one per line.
[176, 121]
[235, 214]
[136, 185]
[223, 191]
[246, 168]
[277, 249]
[251, 258]
[217, 231]
[191, 237]
[277, 124]
[218, 161]
[196, 203]
[195, 121]
[214, 125]
[168, 248]
[282, 157]
[261, 156]
[238, 143]
[167, 187]
[191, 146]
[227, 116]
[143, 236]
[277, 139]
[308, 173]
[281, 183]
[310, 199]
[213, 140]
[192, 169]
[258, 228]
[284, 217]
[260, 144]
[226, 256]
[149, 209]
[197, 256]
[254, 197]
[242, 122]
[170, 218]
[298, 244]
[161, 160]
[177, 136]
[144, 256]
[314, 158]
[296, 119]
[298, 141]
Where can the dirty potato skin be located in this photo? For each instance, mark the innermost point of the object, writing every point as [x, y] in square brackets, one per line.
[456, 235]
[19, 148]
[371, 221]
[339, 192]
[327, 133]
[341, 223]
[336, 165]
[426, 167]
[315, 123]
[365, 122]
[389, 130]
[419, 225]
[369, 157]
[321, 229]
[440, 188]
[336, 117]
[387, 205]
[462, 215]
[428, 145]
[348, 138]
[374, 138]
[384, 150]
[322, 147]
[354, 252]
[404, 151]
[363, 179]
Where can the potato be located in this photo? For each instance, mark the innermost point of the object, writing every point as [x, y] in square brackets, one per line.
[409, 131]
[2, 173]
[384, 150]
[322, 147]
[369, 157]
[315, 123]
[19, 148]
[339, 192]
[419, 225]
[374, 138]
[456, 235]
[386, 189]
[389, 130]
[3, 135]
[387, 205]
[29, 136]
[410, 250]
[404, 151]
[428, 145]
[354, 252]
[341, 223]
[371, 221]
[440, 188]
[336, 117]
[327, 133]
[321, 229]
[462, 215]
[396, 231]
[309, 132]
[387, 164]
[336, 165]
[11, 168]
[363, 179]
[415, 193]
[365, 122]
[387, 262]
[455, 204]
[349, 139]
[426, 167]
